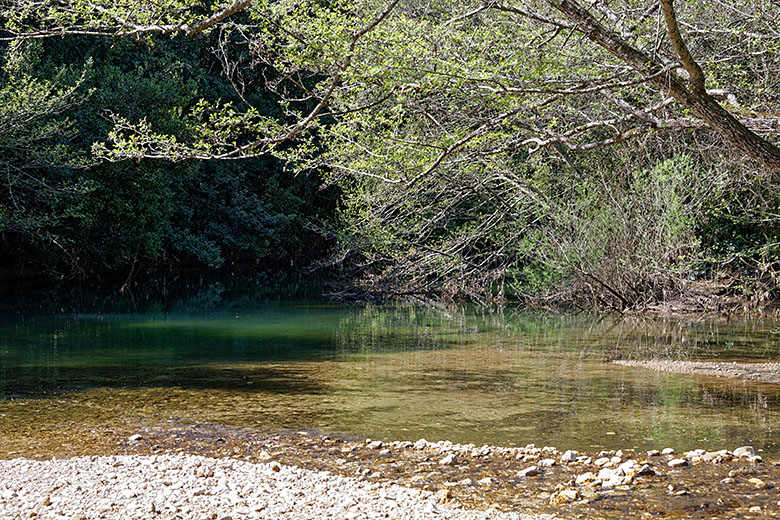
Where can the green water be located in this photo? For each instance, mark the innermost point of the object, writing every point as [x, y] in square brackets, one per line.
[395, 372]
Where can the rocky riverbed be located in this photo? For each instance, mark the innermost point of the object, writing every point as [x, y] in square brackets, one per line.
[293, 472]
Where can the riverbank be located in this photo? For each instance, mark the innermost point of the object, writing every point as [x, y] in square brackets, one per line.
[764, 372]
[464, 481]
[190, 486]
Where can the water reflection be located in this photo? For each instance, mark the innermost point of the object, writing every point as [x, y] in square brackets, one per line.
[400, 372]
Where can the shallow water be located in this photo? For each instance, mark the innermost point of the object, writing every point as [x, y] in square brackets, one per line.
[396, 372]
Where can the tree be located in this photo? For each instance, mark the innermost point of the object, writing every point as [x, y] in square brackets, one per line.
[335, 39]
[443, 109]
[35, 138]
[65, 214]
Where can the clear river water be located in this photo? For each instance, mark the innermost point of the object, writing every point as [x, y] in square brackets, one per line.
[402, 372]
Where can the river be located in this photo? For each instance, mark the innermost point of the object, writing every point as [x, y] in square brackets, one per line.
[501, 376]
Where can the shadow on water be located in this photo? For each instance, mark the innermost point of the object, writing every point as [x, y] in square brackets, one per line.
[32, 383]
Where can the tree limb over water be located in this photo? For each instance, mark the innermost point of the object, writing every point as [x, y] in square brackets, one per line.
[634, 59]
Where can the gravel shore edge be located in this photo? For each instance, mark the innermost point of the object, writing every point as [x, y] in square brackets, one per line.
[763, 372]
[187, 486]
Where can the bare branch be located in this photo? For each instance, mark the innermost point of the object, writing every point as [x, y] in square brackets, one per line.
[124, 26]
[530, 14]
[598, 87]
[693, 68]
[457, 145]
[216, 17]
[699, 102]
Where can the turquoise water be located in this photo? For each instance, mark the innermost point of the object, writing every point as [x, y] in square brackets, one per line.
[505, 377]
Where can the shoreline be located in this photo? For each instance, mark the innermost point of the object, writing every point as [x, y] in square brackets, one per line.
[761, 372]
[483, 480]
[193, 486]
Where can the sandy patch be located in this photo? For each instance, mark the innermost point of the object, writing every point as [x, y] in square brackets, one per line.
[766, 372]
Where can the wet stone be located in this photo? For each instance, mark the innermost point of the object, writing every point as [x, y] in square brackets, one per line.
[528, 472]
[627, 468]
[646, 469]
[443, 495]
[449, 460]
[564, 496]
[698, 485]
[744, 451]
[569, 456]
[585, 478]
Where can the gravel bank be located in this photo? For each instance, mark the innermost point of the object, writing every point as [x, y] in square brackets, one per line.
[190, 486]
[766, 372]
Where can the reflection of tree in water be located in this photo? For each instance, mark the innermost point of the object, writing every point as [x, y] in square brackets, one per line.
[162, 292]
[398, 371]
[391, 328]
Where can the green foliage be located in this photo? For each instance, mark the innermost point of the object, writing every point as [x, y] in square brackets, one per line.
[63, 212]
[36, 153]
[624, 239]
[451, 129]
